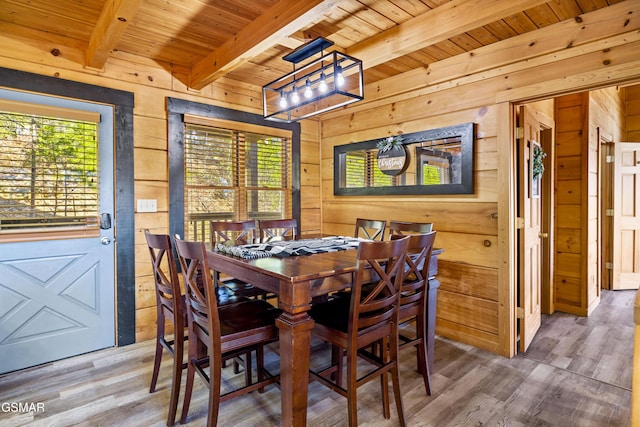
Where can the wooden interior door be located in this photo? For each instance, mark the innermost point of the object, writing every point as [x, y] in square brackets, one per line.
[529, 237]
[626, 216]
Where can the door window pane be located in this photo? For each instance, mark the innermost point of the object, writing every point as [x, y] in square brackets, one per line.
[48, 172]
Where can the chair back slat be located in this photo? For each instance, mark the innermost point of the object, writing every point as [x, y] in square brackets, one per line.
[278, 229]
[233, 232]
[414, 286]
[371, 229]
[380, 306]
[165, 274]
[402, 228]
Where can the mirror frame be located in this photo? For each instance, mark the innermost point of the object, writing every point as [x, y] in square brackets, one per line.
[466, 133]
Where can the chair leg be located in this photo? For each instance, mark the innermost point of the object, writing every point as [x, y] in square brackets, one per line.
[384, 381]
[423, 358]
[191, 370]
[395, 377]
[215, 378]
[337, 359]
[178, 355]
[156, 366]
[352, 401]
[188, 388]
[158, 356]
[248, 371]
[260, 365]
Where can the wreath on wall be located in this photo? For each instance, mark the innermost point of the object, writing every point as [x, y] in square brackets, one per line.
[392, 155]
[389, 143]
[538, 162]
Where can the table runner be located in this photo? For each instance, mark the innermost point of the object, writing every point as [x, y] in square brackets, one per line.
[292, 247]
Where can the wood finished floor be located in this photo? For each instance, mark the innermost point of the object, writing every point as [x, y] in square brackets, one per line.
[577, 372]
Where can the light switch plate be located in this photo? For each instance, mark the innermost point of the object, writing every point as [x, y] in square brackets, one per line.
[147, 205]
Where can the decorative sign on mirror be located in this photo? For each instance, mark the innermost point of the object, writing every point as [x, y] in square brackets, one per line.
[435, 161]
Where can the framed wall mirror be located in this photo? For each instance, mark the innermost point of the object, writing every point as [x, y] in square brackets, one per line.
[434, 161]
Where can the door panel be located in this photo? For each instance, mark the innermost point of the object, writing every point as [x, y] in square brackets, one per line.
[53, 304]
[626, 216]
[530, 214]
[57, 287]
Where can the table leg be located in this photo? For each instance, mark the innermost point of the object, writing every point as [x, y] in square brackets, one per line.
[295, 341]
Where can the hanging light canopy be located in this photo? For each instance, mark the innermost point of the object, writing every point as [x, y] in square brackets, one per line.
[329, 82]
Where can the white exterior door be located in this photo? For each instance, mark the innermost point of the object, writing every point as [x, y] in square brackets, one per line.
[57, 285]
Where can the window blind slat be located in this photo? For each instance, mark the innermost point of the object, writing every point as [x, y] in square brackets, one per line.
[234, 174]
[48, 169]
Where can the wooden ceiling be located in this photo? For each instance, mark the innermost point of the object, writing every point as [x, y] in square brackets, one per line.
[203, 40]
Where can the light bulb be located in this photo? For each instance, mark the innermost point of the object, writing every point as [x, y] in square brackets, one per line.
[323, 84]
[283, 100]
[308, 93]
[339, 76]
[295, 98]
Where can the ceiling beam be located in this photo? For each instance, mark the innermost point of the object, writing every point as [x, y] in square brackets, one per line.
[281, 20]
[112, 23]
[434, 26]
[601, 29]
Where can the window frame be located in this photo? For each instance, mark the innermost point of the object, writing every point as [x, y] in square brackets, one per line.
[176, 111]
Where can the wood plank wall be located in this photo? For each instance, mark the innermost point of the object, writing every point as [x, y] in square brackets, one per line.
[632, 130]
[579, 119]
[607, 118]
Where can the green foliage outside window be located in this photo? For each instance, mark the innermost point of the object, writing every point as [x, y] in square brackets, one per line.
[48, 170]
[430, 174]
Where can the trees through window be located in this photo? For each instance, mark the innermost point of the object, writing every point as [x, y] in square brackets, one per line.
[48, 171]
[234, 175]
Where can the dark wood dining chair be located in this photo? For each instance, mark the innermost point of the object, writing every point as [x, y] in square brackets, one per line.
[235, 233]
[278, 229]
[413, 300]
[354, 325]
[170, 308]
[402, 228]
[371, 229]
[219, 333]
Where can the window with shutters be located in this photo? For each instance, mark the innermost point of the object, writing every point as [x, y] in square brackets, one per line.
[234, 174]
[48, 168]
[361, 170]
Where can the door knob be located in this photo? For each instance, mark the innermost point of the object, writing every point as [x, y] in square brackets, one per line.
[543, 235]
[105, 241]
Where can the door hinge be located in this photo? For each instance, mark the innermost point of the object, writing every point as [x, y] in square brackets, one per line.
[609, 159]
[519, 222]
[519, 313]
[519, 132]
[608, 265]
[608, 212]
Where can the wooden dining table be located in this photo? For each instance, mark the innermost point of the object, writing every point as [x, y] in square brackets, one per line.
[296, 280]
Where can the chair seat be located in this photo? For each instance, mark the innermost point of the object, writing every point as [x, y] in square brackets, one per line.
[241, 318]
[226, 296]
[243, 289]
[333, 313]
